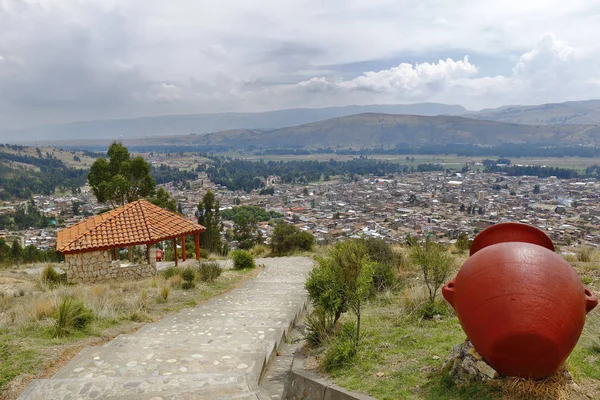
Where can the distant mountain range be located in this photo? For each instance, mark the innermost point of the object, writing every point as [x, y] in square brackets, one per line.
[569, 113]
[386, 131]
[168, 125]
[573, 123]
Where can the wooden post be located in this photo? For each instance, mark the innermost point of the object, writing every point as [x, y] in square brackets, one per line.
[175, 250]
[115, 253]
[197, 246]
[183, 247]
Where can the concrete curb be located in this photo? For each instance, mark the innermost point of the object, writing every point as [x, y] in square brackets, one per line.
[307, 385]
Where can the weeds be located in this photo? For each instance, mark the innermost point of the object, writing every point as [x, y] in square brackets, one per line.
[585, 254]
[72, 314]
[164, 294]
[209, 271]
[171, 272]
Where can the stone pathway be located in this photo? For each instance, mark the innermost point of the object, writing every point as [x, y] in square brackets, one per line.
[217, 350]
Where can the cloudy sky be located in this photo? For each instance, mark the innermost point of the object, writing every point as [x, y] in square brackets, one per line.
[69, 60]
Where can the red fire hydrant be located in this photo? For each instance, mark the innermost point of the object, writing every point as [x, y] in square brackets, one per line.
[521, 305]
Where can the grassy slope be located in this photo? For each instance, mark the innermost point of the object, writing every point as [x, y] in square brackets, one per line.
[400, 356]
[29, 348]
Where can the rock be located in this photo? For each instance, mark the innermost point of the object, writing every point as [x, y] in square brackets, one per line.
[380, 374]
[436, 357]
[464, 365]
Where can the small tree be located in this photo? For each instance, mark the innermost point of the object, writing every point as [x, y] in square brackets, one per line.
[536, 189]
[435, 263]
[209, 215]
[245, 231]
[15, 251]
[462, 243]
[342, 280]
[286, 238]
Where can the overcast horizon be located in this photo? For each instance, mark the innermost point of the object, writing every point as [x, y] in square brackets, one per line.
[64, 60]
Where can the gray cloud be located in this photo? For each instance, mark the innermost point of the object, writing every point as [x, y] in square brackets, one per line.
[67, 60]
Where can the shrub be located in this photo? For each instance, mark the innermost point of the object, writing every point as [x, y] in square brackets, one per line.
[380, 251]
[209, 271]
[50, 276]
[319, 325]
[287, 238]
[242, 259]
[430, 310]
[204, 254]
[188, 274]
[187, 285]
[72, 314]
[175, 281]
[42, 308]
[343, 280]
[342, 351]
[435, 264]
[164, 294]
[171, 271]
[383, 277]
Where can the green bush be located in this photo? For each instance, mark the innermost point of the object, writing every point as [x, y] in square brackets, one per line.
[319, 325]
[188, 274]
[50, 276]
[209, 271]
[242, 259]
[187, 285]
[383, 277]
[430, 309]
[171, 271]
[342, 350]
[380, 251]
[72, 314]
[205, 254]
[287, 238]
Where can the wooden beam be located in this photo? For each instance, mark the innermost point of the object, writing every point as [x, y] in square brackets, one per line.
[197, 246]
[183, 247]
[175, 250]
[115, 253]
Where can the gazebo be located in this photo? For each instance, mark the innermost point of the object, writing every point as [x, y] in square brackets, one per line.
[91, 246]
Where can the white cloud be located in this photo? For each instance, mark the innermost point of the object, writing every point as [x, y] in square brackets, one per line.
[71, 60]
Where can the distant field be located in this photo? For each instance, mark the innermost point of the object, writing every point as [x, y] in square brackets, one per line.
[66, 156]
[453, 161]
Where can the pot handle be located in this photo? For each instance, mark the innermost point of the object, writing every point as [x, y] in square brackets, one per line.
[448, 292]
[590, 300]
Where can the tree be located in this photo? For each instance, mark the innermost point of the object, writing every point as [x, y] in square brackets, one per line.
[287, 238]
[75, 206]
[435, 263]
[245, 232]
[342, 280]
[536, 189]
[15, 251]
[462, 242]
[121, 179]
[164, 200]
[462, 208]
[209, 216]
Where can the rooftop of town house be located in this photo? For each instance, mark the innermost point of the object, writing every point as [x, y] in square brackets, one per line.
[139, 222]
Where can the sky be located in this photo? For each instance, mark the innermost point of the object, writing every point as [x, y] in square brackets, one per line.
[74, 60]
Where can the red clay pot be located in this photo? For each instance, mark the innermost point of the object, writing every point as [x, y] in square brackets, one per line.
[521, 305]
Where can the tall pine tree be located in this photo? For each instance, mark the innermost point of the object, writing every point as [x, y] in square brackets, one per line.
[209, 216]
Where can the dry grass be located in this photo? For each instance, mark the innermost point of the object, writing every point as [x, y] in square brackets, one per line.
[175, 281]
[41, 309]
[553, 387]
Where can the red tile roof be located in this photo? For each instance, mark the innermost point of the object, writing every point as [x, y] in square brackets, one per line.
[140, 222]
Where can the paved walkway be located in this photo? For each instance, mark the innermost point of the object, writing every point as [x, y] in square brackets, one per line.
[217, 350]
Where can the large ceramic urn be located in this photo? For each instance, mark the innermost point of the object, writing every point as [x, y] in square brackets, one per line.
[522, 306]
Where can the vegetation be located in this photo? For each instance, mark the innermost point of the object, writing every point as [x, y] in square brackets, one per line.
[164, 200]
[435, 263]
[122, 179]
[38, 325]
[209, 216]
[209, 271]
[249, 212]
[287, 238]
[242, 259]
[72, 314]
[47, 175]
[189, 277]
[342, 281]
